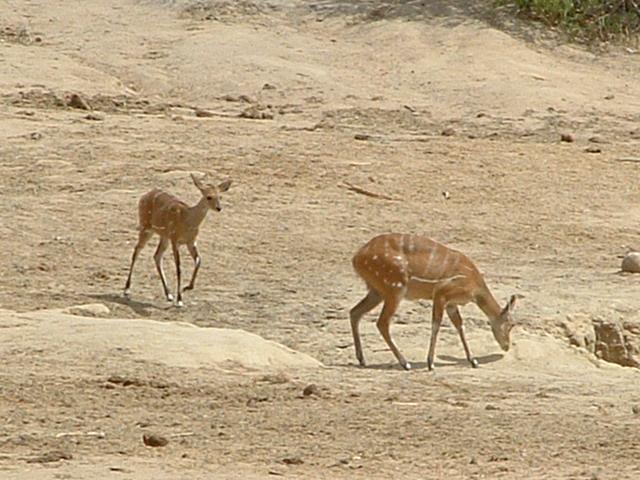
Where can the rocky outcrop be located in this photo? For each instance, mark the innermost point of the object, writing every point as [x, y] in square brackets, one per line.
[618, 341]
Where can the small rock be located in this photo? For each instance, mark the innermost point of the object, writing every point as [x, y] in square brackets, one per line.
[201, 113]
[268, 86]
[498, 458]
[35, 136]
[448, 132]
[255, 113]
[253, 401]
[152, 440]
[362, 136]
[631, 262]
[597, 139]
[125, 382]
[490, 407]
[473, 461]
[76, 101]
[95, 116]
[295, 460]
[593, 149]
[311, 389]
[567, 137]
[636, 409]
[50, 457]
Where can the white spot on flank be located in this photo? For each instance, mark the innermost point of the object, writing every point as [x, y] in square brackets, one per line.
[375, 257]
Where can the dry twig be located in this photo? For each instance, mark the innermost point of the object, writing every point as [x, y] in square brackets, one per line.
[368, 193]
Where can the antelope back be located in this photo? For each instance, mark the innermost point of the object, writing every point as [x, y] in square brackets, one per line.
[160, 211]
[396, 261]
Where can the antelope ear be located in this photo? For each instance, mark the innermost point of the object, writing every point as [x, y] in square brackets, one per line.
[512, 302]
[197, 182]
[224, 186]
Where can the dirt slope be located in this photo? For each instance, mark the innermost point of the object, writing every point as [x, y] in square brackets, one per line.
[168, 82]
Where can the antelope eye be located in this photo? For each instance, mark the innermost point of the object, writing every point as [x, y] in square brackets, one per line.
[209, 197]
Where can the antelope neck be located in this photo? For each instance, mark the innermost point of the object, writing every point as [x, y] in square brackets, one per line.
[198, 212]
[488, 304]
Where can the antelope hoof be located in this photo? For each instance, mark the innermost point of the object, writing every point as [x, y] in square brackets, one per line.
[474, 363]
[169, 297]
[406, 365]
[430, 365]
[179, 304]
[188, 287]
[126, 293]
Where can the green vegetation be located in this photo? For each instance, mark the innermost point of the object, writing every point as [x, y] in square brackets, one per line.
[586, 19]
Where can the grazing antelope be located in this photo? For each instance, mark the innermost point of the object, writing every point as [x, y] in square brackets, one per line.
[396, 266]
[176, 223]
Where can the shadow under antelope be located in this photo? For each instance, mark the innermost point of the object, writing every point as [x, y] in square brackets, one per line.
[397, 266]
[177, 224]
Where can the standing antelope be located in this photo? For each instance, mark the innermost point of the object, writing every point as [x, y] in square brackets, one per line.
[176, 223]
[396, 266]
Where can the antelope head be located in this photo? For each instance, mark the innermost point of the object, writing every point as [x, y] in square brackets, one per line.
[502, 325]
[211, 193]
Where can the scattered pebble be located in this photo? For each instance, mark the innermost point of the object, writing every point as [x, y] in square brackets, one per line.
[631, 262]
[76, 101]
[567, 137]
[311, 389]
[124, 381]
[448, 132]
[201, 113]
[152, 440]
[50, 457]
[255, 113]
[593, 149]
[498, 458]
[95, 116]
[294, 460]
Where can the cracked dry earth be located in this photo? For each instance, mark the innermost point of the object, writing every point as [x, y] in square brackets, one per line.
[295, 101]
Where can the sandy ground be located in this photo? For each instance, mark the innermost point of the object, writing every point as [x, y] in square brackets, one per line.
[359, 94]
